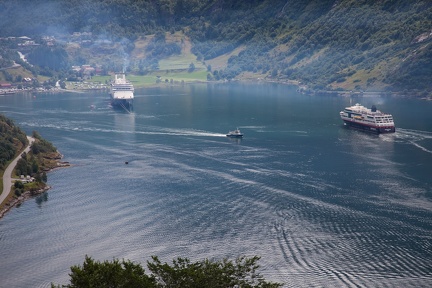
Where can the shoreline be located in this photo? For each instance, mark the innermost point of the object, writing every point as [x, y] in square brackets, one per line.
[13, 201]
[303, 89]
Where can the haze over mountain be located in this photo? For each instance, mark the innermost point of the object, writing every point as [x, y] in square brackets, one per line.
[326, 44]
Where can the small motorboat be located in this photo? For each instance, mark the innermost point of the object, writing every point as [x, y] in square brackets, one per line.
[235, 134]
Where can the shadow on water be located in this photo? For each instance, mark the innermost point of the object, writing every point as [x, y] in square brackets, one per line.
[235, 140]
[41, 199]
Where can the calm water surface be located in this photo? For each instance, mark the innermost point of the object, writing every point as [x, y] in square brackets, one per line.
[322, 205]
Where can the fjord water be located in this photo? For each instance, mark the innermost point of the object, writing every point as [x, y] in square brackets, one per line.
[324, 206]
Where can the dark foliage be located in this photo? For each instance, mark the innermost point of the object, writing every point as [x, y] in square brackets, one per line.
[109, 274]
[41, 145]
[49, 58]
[181, 274]
[11, 138]
[159, 48]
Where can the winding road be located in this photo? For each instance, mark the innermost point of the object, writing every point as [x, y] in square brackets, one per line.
[7, 176]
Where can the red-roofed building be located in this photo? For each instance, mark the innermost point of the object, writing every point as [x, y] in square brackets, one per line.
[5, 85]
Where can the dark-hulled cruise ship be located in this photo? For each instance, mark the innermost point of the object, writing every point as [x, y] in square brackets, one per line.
[372, 120]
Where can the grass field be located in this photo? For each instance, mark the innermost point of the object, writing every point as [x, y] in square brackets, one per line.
[199, 75]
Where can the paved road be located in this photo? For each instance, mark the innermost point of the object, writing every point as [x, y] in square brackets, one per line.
[7, 176]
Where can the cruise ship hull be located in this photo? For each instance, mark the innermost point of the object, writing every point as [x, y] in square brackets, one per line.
[369, 128]
[122, 103]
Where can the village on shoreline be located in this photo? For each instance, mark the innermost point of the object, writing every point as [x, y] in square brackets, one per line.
[82, 87]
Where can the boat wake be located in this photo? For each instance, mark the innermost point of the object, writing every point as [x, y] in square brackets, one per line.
[413, 137]
[83, 127]
[190, 132]
[414, 133]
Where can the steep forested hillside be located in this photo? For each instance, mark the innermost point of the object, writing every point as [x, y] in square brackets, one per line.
[328, 44]
[12, 140]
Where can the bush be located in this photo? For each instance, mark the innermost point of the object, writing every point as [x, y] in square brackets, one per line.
[182, 273]
[19, 185]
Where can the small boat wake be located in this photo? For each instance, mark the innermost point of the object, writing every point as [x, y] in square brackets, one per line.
[190, 132]
[78, 126]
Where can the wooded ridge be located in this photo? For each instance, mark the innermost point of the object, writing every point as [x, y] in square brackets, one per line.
[30, 170]
[326, 44]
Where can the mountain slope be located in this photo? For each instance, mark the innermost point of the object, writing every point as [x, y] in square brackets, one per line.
[327, 44]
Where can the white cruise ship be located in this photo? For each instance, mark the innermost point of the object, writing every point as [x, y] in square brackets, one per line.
[372, 120]
[121, 91]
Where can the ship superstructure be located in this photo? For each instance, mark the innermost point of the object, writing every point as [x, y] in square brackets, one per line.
[372, 120]
[121, 91]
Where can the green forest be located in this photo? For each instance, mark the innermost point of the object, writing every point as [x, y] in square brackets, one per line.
[12, 140]
[324, 44]
[40, 159]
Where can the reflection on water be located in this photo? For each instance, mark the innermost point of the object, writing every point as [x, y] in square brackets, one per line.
[124, 121]
[235, 140]
[323, 206]
[41, 199]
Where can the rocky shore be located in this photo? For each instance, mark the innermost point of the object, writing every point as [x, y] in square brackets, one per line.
[16, 201]
[19, 200]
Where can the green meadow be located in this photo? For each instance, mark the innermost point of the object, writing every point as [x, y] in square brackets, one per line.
[158, 78]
